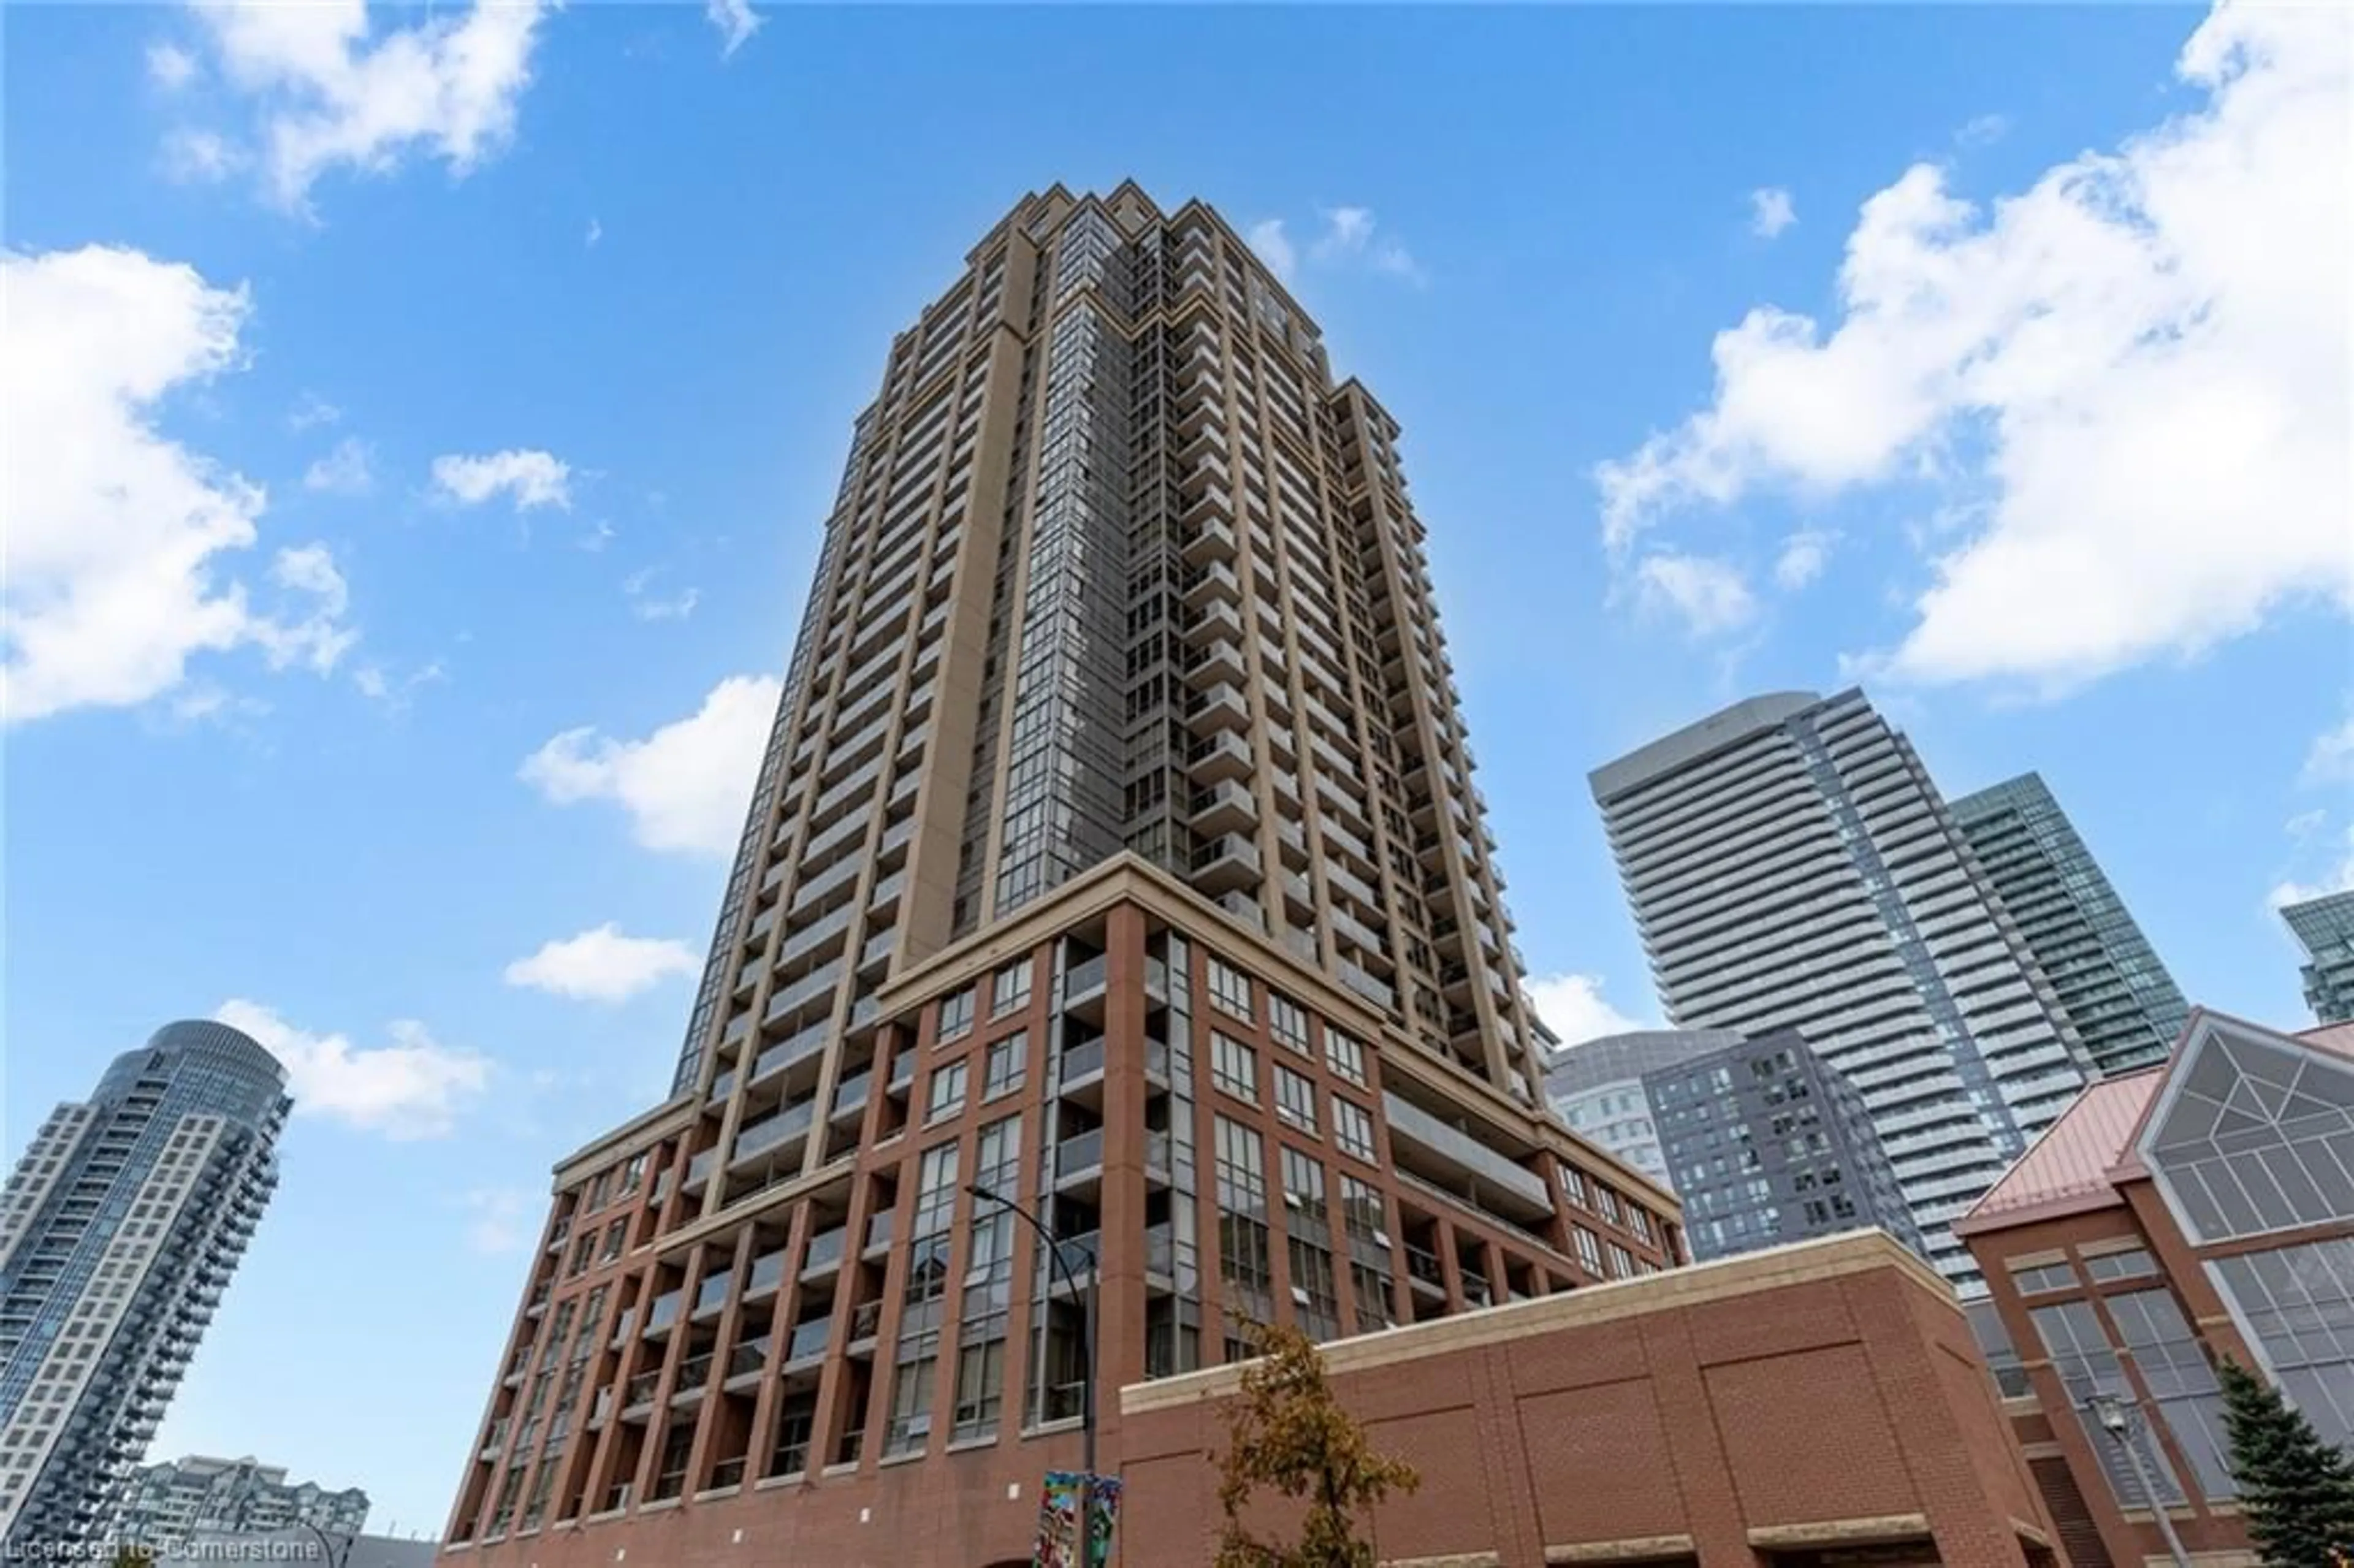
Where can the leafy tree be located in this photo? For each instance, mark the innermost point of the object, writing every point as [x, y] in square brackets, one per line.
[132, 1557]
[2296, 1491]
[1287, 1432]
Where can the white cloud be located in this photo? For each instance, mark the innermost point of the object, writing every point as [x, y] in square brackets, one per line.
[310, 411]
[1573, 1007]
[2335, 876]
[685, 785]
[1345, 237]
[1706, 592]
[1770, 211]
[114, 577]
[502, 1221]
[198, 157]
[2331, 759]
[735, 22]
[1802, 557]
[378, 684]
[529, 479]
[170, 66]
[413, 1089]
[599, 535]
[596, 232]
[329, 88]
[602, 965]
[344, 470]
[677, 606]
[1983, 130]
[1273, 246]
[2147, 384]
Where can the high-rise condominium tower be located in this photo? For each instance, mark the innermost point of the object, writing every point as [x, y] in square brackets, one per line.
[1115, 853]
[2325, 927]
[1791, 864]
[2123, 1003]
[118, 1231]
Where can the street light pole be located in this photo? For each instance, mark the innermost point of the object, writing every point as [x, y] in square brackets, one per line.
[2116, 1418]
[1086, 1500]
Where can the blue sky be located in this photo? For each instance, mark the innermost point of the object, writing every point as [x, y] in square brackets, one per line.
[413, 498]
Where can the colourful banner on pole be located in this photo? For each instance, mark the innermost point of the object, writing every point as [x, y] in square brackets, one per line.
[1058, 1504]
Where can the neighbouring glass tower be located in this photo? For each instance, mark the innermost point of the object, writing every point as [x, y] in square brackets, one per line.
[2123, 1003]
[119, 1229]
[1791, 864]
[2325, 926]
[1116, 852]
[1597, 1086]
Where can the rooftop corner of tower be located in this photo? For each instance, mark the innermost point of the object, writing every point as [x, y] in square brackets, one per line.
[1682, 747]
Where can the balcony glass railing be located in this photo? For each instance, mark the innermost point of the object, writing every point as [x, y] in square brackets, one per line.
[664, 1313]
[880, 1229]
[1080, 1253]
[1084, 978]
[767, 1272]
[1423, 1265]
[865, 1320]
[763, 1136]
[692, 1373]
[748, 1358]
[1161, 1249]
[640, 1391]
[714, 1294]
[1074, 1155]
[1080, 1060]
[824, 1251]
[809, 1340]
[794, 1049]
[849, 1095]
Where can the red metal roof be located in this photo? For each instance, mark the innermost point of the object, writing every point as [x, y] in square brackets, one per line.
[2066, 1171]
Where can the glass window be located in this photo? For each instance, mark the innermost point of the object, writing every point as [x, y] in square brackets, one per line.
[1002, 1070]
[1639, 1220]
[956, 1014]
[1993, 1345]
[2042, 1278]
[1295, 1098]
[2132, 1265]
[1622, 1262]
[1608, 1202]
[947, 1092]
[2259, 1138]
[2297, 1303]
[1346, 1055]
[1233, 1068]
[1353, 1129]
[1573, 1187]
[2175, 1367]
[1589, 1248]
[1285, 1022]
[1230, 989]
[2086, 1364]
[1010, 990]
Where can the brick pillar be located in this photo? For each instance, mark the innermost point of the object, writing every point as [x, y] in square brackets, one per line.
[1120, 1277]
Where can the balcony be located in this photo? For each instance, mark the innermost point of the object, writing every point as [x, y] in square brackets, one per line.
[1084, 981]
[1423, 1269]
[1081, 1062]
[692, 1373]
[880, 1229]
[1226, 807]
[663, 1313]
[639, 1396]
[721, 1087]
[1079, 1255]
[1226, 862]
[826, 1250]
[866, 1322]
[714, 1294]
[849, 1095]
[746, 1360]
[789, 1052]
[1221, 661]
[1224, 755]
[1421, 1143]
[761, 1137]
[1221, 706]
[1080, 1155]
[768, 1274]
[808, 1341]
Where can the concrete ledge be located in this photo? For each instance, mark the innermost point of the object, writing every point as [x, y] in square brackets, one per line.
[2031, 1533]
[1633, 1548]
[1842, 1531]
[1452, 1560]
[1799, 1263]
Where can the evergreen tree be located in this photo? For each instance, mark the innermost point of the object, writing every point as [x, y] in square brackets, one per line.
[1286, 1431]
[2296, 1491]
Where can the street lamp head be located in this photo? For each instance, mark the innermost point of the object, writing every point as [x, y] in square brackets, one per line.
[2110, 1412]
